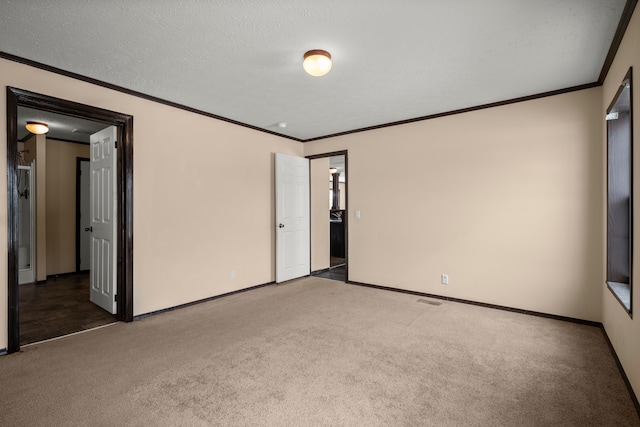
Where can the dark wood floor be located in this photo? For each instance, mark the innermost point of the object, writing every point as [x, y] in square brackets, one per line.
[338, 273]
[335, 261]
[58, 307]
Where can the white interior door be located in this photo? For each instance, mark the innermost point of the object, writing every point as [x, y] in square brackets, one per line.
[85, 216]
[103, 219]
[292, 217]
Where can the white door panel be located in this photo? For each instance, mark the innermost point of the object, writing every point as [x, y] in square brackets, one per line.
[292, 217]
[103, 219]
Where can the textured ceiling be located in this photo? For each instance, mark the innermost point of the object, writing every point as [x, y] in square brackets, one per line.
[60, 126]
[393, 60]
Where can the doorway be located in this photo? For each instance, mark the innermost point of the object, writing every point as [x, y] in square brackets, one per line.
[123, 168]
[60, 300]
[329, 219]
[83, 223]
[26, 214]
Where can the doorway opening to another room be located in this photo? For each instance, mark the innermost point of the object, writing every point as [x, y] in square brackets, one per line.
[111, 194]
[329, 215]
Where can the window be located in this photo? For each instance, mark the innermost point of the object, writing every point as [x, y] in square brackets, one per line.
[620, 194]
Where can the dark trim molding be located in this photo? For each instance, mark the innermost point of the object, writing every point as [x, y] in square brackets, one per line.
[200, 301]
[55, 70]
[79, 161]
[56, 139]
[460, 111]
[613, 49]
[12, 220]
[3, 351]
[345, 219]
[331, 154]
[59, 275]
[627, 13]
[324, 270]
[137, 94]
[498, 307]
[599, 325]
[70, 141]
[481, 304]
[124, 123]
[634, 398]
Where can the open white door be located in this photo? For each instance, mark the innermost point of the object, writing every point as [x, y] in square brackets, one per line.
[292, 217]
[103, 219]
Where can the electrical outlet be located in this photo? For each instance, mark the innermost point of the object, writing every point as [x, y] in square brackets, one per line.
[233, 275]
[444, 279]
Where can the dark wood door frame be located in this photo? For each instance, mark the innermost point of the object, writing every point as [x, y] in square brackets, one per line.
[124, 123]
[345, 219]
[79, 161]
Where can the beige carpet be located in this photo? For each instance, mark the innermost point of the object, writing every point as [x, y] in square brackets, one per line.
[319, 352]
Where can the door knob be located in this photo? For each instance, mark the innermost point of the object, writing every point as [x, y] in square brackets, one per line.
[280, 225]
[88, 229]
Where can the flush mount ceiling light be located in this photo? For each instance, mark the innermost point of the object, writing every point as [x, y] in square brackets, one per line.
[37, 128]
[317, 62]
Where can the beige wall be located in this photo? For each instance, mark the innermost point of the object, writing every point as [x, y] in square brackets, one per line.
[196, 218]
[507, 201]
[61, 204]
[37, 147]
[320, 232]
[623, 331]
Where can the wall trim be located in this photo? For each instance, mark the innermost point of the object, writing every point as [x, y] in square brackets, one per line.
[116, 88]
[463, 301]
[462, 110]
[56, 276]
[623, 24]
[632, 393]
[598, 325]
[70, 141]
[60, 71]
[627, 13]
[482, 304]
[330, 154]
[200, 301]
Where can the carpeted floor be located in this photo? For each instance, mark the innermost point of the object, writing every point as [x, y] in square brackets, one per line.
[320, 352]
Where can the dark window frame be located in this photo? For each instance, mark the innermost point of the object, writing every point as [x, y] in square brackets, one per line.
[621, 289]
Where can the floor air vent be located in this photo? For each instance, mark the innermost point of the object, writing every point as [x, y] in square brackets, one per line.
[426, 301]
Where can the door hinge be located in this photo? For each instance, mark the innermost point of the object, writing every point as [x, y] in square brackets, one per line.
[115, 297]
[115, 144]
